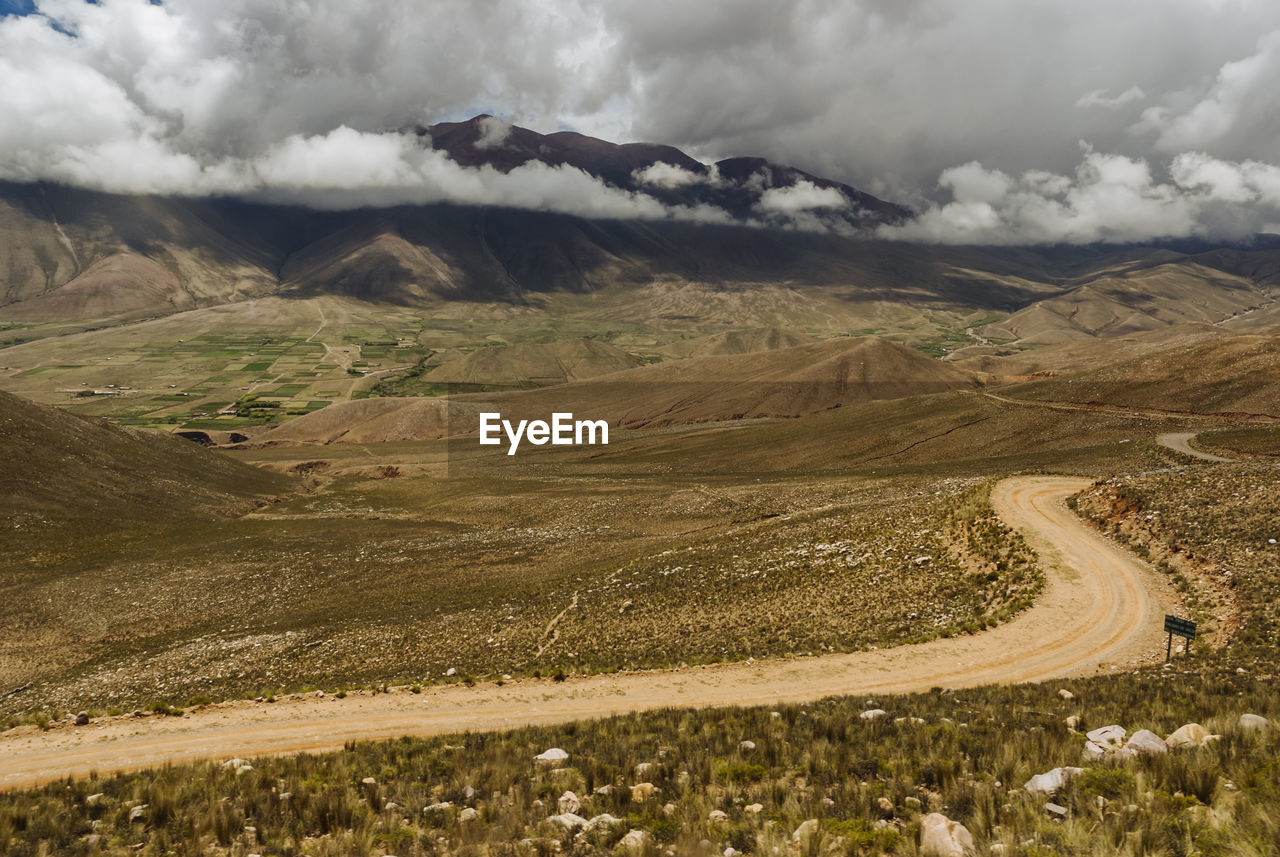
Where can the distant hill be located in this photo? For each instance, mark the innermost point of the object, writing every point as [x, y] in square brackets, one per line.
[1239, 375]
[787, 382]
[735, 342]
[60, 469]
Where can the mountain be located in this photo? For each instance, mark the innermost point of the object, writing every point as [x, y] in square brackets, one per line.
[737, 185]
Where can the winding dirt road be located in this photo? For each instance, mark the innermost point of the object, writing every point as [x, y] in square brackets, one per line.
[1180, 441]
[1101, 609]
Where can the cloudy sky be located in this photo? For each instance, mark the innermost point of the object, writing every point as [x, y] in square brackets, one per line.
[1005, 121]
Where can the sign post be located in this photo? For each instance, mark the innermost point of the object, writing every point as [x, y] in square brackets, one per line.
[1184, 628]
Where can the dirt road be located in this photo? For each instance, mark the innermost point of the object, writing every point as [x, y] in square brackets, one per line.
[1101, 609]
[1180, 441]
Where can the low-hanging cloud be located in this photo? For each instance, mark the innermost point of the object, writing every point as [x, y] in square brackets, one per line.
[310, 102]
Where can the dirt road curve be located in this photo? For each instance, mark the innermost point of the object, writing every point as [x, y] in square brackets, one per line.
[1101, 609]
[1180, 441]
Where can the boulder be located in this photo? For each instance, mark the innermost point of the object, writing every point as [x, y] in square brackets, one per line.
[569, 803]
[1188, 735]
[635, 842]
[82, 719]
[1066, 695]
[1253, 721]
[1072, 722]
[873, 714]
[644, 769]
[1056, 810]
[468, 814]
[1145, 741]
[641, 792]
[138, 813]
[1051, 782]
[884, 805]
[746, 746]
[942, 837]
[717, 817]
[1107, 736]
[555, 754]
[604, 821]
[754, 808]
[1094, 752]
[369, 781]
[568, 820]
[803, 837]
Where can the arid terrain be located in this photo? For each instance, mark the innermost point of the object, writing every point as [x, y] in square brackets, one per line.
[248, 516]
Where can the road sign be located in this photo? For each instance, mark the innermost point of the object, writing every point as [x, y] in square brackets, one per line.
[1183, 628]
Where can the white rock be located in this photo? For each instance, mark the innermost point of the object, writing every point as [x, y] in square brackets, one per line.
[468, 814]
[555, 754]
[1094, 752]
[234, 763]
[451, 671]
[754, 808]
[873, 714]
[93, 799]
[717, 817]
[635, 842]
[942, 837]
[1056, 810]
[1072, 722]
[603, 821]
[746, 746]
[243, 769]
[569, 802]
[568, 820]
[137, 813]
[1146, 741]
[1066, 694]
[803, 835]
[369, 781]
[1051, 782]
[1253, 721]
[438, 807]
[1188, 735]
[644, 769]
[1107, 736]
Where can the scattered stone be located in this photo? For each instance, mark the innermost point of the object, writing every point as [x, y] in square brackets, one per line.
[391, 806]
[1051, 782]
[605, 790]
[1144, 741]
[1094, 752]
[468, 814]
[746, 746]
[82, 719]
[885, 805]
[804, 835]
[717, 817]
[451, 671]
[369, 781]
[873, 714]
[93, 799]
[1107, 736]
[641, 792]
[555, 754]
[1056, 810]
[569, 803]
[912, 801]
[138, 812]
[444, 806]
[1073, 722]
[1253, 721]
[234, 763]
[243, 769]
[635, 843]
[942, 837]
[754, 808]
[1066, 695]
[568, 820]
[603, 821]
[1189, 735]
[644, 769]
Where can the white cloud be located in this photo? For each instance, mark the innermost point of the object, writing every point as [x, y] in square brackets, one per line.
[1100, 98]
[1110, 198]
[801, 196]
[667, 176]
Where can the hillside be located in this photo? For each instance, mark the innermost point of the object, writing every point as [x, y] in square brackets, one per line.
[1220, 375]
[786, 382]
[529, 364]
[62, 470]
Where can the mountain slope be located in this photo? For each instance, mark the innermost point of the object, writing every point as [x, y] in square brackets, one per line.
[60, 469]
